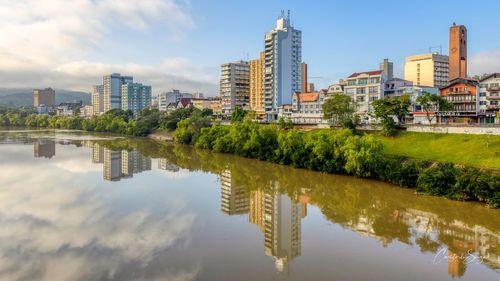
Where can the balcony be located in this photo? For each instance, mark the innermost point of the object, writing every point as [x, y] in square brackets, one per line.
[463, 101]
[493, 89]
[493, 107]
[493, 97]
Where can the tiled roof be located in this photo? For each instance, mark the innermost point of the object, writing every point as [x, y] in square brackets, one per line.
[375, 72]
[307, 97]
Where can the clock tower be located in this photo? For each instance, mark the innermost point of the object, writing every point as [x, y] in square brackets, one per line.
[458, 52]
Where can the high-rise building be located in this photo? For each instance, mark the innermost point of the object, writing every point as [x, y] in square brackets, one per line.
[112, 85]
[135, 96]
[429, 70]
[304, 78]
[45, 97]
[282, 65]
[235, 86]
[256, 85]
[387, 68]
[458, 52]
[97, 99]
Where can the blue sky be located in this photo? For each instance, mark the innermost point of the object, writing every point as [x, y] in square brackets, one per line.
[179, 44]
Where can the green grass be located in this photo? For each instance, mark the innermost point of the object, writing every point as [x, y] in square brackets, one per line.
[481, 151]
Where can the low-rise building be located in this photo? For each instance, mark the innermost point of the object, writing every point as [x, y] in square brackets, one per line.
[87, 111]
[201, 103]
[463, 94]
[365, 88]
[167, 98]
[308, 107]
[489, 98]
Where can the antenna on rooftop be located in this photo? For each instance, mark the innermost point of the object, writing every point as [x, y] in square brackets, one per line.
[436, 47]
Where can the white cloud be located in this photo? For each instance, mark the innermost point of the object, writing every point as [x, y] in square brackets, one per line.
[485, 62]
[47, 43]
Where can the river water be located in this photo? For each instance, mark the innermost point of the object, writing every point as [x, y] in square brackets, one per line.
[75, 206]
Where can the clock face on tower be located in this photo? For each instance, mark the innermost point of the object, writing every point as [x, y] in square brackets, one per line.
[453, 50]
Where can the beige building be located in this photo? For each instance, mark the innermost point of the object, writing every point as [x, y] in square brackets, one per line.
[427, 70]
[45, 96]
[97, 99]
[256, 85]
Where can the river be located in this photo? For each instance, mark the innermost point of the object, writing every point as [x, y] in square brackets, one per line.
[76, 206]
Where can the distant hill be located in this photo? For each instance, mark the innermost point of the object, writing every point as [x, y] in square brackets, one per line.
[24, 96]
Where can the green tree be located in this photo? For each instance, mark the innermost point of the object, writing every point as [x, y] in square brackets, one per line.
[340, 110]
[400, 107]
[432, 105]
[285, 123]
[238, 114]
[383, 110]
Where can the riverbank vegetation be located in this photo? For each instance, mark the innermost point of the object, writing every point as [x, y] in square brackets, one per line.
[343, 152]
[114, 121]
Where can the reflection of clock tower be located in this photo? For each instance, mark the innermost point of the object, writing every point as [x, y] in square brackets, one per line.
[458, 52]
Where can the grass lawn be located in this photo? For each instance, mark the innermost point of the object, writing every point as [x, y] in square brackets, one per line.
[474, 150]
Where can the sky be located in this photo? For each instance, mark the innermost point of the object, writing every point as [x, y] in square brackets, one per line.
[182, 43]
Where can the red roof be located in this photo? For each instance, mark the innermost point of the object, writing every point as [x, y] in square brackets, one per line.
[374, 72]
[307, 97]
[185, 101]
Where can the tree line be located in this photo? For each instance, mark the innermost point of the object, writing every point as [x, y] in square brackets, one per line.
[340, 152]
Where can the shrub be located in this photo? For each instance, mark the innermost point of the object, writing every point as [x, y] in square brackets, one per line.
[438, 179]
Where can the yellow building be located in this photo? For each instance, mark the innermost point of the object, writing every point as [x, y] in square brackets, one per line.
[256, 85]
[427, 70]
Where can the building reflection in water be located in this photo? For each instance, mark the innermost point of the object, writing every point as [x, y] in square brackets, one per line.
[164, 164]
[119, 164]
[44, 148]
[276, 215]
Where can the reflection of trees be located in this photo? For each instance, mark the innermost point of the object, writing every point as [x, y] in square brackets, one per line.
[371, 208]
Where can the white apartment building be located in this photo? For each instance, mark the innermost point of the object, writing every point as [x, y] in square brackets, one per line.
[427, 70]
[489, 98]
[282, 65]
[112, 85]
[365, 88]
[235, 86]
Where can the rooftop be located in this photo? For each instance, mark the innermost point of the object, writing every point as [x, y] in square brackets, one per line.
[374, 72]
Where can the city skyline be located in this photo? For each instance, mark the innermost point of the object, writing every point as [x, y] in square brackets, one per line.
[72, 49]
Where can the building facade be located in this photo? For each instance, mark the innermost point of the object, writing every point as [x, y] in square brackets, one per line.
[489, 98]
[257, 85]
[45, 97]
[429, 70]
[97, 99]
[235, 86]
[365, 88]
[464, 95]
[282, 65]
[458, 52]
[307, 108]
[135, 97]
[112, 85]
[167, 98]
